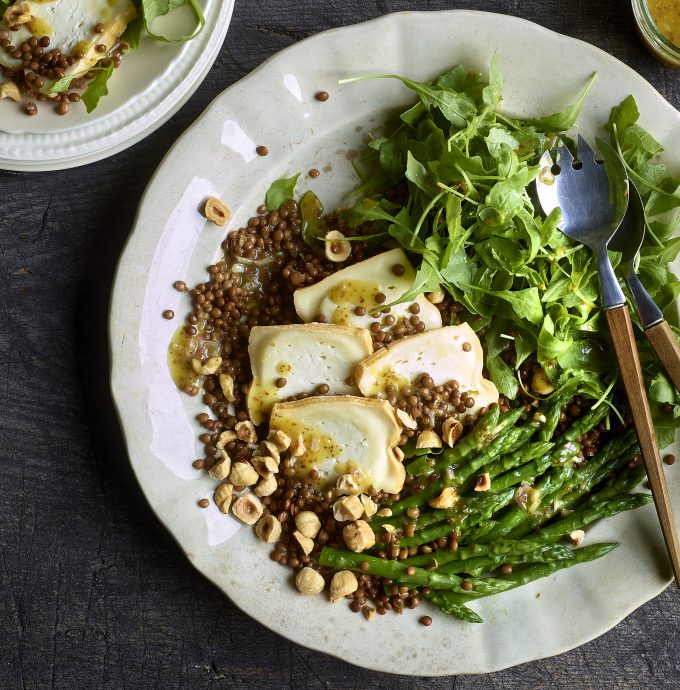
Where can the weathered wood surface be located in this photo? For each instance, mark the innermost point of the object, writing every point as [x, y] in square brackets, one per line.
[93, 591]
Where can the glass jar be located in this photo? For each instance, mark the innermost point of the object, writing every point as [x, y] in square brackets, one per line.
[667, 13]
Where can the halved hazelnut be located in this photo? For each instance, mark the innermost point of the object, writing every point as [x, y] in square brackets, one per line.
[338, 248]
[222, 496]
[210, 366]
[247, 508]
[265, 465]
[369, 505]
[428, 439]
[446, 499]
[221, 469]
[452, 430]
[227, 386]
[245, 431]
[406, 420]
[268, 528]
[280, 439]
[225, 437]
[270, 448]
[435, 297]
[10, 90]
[577, 536]
[216, 211]
[266, 487]
[483, 482]
[305, 543]
[346, 484]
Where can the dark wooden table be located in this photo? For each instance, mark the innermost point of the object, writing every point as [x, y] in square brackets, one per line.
[93, 591]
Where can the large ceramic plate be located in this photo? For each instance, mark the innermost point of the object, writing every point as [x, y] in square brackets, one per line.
[275, 106]
[151, 85]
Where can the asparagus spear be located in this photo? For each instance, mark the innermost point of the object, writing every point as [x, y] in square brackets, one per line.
[584, 517]
[458, 610]
[478, 510]
[484, 564]
[577, 483]
[501, 547]
[342, 559]
[523, 576]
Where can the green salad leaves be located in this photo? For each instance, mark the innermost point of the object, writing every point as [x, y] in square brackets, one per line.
[452, 183]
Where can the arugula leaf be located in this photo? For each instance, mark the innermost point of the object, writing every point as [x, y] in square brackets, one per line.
[97, 88]
[280, 192]
[456, 107]
[133, 32]
[152, 9]
[559, 122]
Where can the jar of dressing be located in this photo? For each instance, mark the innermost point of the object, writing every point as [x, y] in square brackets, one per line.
[659, 25]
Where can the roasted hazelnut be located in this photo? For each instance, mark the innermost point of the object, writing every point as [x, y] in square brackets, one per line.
[358, 536]
[268, 528]
[308, 523]
[309, 582]
[216, 211]
[247, 508]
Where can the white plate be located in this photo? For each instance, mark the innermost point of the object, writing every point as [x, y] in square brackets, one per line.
[275, 106]
[151, 86]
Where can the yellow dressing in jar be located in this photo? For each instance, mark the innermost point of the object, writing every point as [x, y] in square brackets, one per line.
[658, 22]
[666, 15]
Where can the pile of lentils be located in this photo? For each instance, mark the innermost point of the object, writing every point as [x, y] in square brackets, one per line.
[41, 65]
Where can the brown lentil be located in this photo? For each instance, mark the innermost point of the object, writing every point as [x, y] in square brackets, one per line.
[322, 96]
[262, 150]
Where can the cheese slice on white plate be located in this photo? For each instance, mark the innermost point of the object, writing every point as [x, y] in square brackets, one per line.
[453, 353]
[342, 435]
[70, 24]
[306, 356]
[337, 296]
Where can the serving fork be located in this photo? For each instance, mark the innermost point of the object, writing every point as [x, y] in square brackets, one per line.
[592, 210]
[628, 240]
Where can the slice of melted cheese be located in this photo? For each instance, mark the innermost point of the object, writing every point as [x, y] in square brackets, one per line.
[442, 353]
[337, 296]
[306, 356]
[70, 24]
[345, 434]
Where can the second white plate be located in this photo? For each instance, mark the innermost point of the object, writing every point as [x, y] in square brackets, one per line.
[151, 85]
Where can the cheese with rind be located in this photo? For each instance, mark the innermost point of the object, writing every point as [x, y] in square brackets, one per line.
[452, 353]
[337, 296]
[305, 355]
[345, 435]
[70, 24]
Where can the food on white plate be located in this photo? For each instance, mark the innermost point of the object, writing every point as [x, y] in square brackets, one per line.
[65, 51]
[469, 453]
[298, 358]
[447, 354]
[353, 295]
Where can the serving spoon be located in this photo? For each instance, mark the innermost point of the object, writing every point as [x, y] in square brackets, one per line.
[592, 211]
[628, 240]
